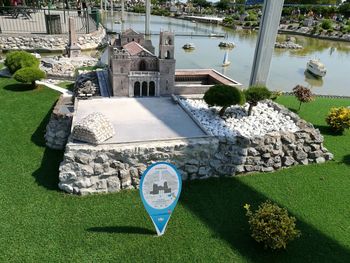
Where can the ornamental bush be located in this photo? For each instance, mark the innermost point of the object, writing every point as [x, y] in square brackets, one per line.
[29, 75]
[223, 96]
[16, 60]
[302, 94]
[271, 225]
[327, 24]
[339, 119]
[254, 94]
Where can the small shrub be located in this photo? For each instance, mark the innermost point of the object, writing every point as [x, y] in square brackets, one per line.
[223, 96]
[275, 94]
[29, 75]
[271, 225]
[303, 94]
[254, 94]
[327, 24]
[339, 119]
[20, 59]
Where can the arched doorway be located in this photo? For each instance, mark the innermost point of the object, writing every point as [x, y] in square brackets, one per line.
[144, 88]
[137, 89]
[152, 89]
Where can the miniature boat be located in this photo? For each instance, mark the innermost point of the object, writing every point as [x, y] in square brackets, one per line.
[227, 44]
[225, 63]
[317, 68]
[117, 22]
[189, 46]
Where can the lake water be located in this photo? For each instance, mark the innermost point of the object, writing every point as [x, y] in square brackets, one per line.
[287, 66]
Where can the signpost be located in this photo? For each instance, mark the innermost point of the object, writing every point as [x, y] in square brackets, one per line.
[160, 188]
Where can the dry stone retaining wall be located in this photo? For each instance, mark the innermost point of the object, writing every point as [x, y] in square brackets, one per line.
[51, 43]
[106, 168]
[111, 167]
[59, 126]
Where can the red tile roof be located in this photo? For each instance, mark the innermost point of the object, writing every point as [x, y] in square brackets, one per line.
[135, 48]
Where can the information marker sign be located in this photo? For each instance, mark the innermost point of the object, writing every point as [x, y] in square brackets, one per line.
[160, 188]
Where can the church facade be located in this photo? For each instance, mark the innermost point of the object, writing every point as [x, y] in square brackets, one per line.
[134, 69]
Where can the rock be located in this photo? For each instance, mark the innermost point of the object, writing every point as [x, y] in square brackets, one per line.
[65, 187]
[191, 168]
[300, 155]
[288, 161]
[203, 171]
[320, 160]
[328, 156]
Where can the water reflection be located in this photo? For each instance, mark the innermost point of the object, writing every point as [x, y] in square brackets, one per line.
[287, 66]
[312, 80]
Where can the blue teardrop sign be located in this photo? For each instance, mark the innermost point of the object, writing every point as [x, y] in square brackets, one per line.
[160, 188]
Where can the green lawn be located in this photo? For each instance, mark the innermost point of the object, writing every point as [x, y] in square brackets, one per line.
[39, 223]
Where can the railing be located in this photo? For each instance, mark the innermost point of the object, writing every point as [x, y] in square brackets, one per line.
[143, 73]
[31, 20]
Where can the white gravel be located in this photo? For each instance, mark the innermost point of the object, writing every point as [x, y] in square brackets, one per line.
[263, 120]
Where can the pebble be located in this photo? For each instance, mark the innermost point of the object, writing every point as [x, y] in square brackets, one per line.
[236, 121]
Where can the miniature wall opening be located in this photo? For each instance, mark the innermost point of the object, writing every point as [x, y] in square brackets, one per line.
[152, 89]
[137, 89]
[144, 88]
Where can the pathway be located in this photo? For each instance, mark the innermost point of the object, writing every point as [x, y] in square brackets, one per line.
[65, 92]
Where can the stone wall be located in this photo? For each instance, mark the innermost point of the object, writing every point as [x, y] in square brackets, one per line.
[59, 126]
[50, 43]
[106, 168]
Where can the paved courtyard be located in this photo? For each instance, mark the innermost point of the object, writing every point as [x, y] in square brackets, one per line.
[141, 119]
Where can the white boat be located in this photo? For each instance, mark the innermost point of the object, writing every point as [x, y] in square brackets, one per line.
[317, 68]
[227, 44]
[225, 63]
[189, 46]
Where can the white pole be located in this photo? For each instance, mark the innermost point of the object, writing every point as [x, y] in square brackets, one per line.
[148, 16]
[269, 24]
[122, 15]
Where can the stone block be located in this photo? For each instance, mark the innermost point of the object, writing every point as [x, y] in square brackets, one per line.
[113, 184]
[191, 168]
[320, 160]
[288, 161]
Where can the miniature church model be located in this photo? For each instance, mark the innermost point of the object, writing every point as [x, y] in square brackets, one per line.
[134, 69]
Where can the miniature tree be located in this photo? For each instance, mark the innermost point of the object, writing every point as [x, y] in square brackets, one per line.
[254, 94]
[303, 94]
[223, 96]
[16, 60]
[271, 225]
[29, 75]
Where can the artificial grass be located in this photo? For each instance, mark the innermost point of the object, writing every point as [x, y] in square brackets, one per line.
[39, 223]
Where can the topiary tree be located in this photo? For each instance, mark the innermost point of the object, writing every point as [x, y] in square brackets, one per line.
[254, 94]
[303, 94]
[16, 60]
[271, 225]
[29, 75]
[223, 96]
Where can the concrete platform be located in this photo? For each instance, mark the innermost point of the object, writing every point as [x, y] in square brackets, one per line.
[141, 119]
